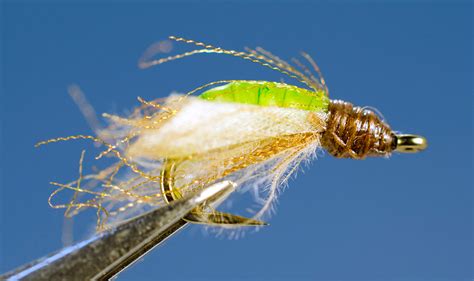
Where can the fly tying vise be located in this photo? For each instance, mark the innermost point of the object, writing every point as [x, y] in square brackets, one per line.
[106, 254]
[255, 133]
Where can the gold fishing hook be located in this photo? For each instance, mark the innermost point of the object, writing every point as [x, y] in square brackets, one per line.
[410, 143]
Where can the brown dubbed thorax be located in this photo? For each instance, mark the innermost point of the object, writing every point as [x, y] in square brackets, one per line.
[355, 132]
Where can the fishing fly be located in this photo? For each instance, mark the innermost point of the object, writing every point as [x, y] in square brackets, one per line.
[255, 133]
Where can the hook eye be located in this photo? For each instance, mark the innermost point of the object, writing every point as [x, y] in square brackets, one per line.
[410, 143]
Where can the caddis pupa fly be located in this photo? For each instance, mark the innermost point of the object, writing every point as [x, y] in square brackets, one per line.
[254, 133]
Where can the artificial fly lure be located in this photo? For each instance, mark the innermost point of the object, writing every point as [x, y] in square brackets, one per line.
[255, 133]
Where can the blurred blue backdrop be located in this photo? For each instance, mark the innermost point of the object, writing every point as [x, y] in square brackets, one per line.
[405, 218]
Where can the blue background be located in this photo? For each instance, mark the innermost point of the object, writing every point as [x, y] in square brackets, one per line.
[405, 218]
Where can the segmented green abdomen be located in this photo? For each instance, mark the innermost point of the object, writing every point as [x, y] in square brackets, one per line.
[268, 94]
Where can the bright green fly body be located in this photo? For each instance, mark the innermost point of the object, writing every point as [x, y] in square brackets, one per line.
[265, 93]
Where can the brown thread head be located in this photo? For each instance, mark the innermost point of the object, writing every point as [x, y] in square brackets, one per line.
[355, 132]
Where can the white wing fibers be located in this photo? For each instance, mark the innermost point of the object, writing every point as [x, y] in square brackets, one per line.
[202, 126]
